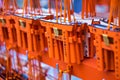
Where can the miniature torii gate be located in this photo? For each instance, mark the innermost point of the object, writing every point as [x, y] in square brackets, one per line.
[107, 42]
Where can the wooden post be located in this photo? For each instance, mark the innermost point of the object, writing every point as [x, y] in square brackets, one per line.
[50, 43]
[61, 50]
[72, 49]
[18, 34]
[34, 43]
[56, 51]
[42, 40]
[1, 33]
[99, 53]
[29, 38]
[106, 59]
[66, 47]
[117, 58]
[23, 40]
[10, 31]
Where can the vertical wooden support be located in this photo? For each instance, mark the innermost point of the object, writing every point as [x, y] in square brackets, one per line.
[34, 43]
[72, 52]
[81, 51]
[10, 34]
[105, 53]
[50, 42]
[117, 58]
[60, 44]
[91, 46]
[10, 30]
[23, 40]
[38, 43]
[56, 51]
[42, 41]
[99, 54]
[81, 37]
[77, 51]
[108, 60]
[55, 43]
[66, 47]
[18, 34]
[112, 61]
[14, 34]
[1, 34]
[29, 38]
[86, 47]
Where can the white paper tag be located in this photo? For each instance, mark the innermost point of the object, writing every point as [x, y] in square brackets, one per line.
[55, 31]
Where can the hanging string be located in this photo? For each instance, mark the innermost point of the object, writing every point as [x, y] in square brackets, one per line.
[56, 2]
[25, 6]
[69, 10]
[35, 5]
[15, 6]
[32, 5]
[88, 7]
[114, 13]
[65, 6]
[60, 10]
[73, 11]
[6, 4]
[9, 5]
[39, 5]
[49, 6]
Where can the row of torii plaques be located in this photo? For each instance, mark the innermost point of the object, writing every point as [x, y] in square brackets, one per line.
[64, 42]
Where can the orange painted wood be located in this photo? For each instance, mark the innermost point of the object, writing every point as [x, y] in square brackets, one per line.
[42, 41]
[66, 47]
[77, 55]
[60, 44]
[25, 5]
[116, 54]
[56, 2]
[88, 7]
[29, 37]
[49, 6]
[65, 14]
[56, 49]
[50, 43]
[69, 10]
[81, 70]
